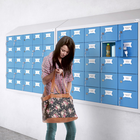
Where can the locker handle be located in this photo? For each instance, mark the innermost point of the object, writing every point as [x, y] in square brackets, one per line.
[86, 78]
[72, 91]
[86, 34]
[121, 81]
[24, 39]
[120, 48]
[102, 64]
[86, 93]
[103, 80]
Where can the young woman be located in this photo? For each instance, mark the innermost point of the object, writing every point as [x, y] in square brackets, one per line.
[61, 61]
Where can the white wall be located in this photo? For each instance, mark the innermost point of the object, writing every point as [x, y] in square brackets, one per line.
[21, 111]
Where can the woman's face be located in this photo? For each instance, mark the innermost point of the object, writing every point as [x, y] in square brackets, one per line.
[64, 51]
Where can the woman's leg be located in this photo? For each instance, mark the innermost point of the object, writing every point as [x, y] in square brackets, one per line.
[71, 130]
[51, 131]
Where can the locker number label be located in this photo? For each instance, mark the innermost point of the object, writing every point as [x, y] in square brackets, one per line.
[37, 60]
[48, 47]
[127, 28]
[27, 60]
[18, 49]
[10, 38]
[77, 32]
[91, 76]
[48, 35]
[19, 82]
[37, 48]
[37, 72]
[77, 75]
[91, 46]
[27, 37]
[10, 70]
[10, 49]
[108, 29]
[63, 33]
[10, 81]
[107, 92]
[128, 44]
[109, 77]
[18, 37]
[27, 48]
[127, 61]
[18, 60]
[18, 71]
[37, 84]
[91, 61]
[77, 47]
[91, 31]
[108, 61]
[127, 95]
[127, 78]
[91, 90]
[37, 36]
[10, 60]
[27, 83]
[77, 89]
[27, 71]
[76, 60]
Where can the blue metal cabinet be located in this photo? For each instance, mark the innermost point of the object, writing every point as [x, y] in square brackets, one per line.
[18, 73]
[37, 51]
[92, 94]
[79, 49]
[128, 82]
[10, 52]
[10, 83]
[128, 31]
[10, 73]
[78, 35]
[27, 86]
[78, 64]
[92, 64]
[92, 49]
[37, 75]
[37, 87]
[109, 80]
[10, 62]
[19, 40]
[10, 41]
[28, 40]
[19, 51]
[128, 65]
[78, 92]
[47, 49]
[79, 78]
[109, 64]
[92, 34]
[37, 39]
[18, 84]
[28, 74]
[28, 51]
[18, 62]
[37, 62]
[109, 96]
[109, 33]
[27, 63]
[92, 79]
[128, 98]
[48, 38]
[60, 34]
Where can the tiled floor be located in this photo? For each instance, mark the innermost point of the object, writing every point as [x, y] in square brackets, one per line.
[6, 134]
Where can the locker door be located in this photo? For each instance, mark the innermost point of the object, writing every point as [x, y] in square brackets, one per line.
[37, 62]
[18, 62]
[10, 72]
[92, 79]
[18, 84]
[27, 63]
[128, 82]
[37, 87]
[37, 51]
[48, 38]
[27, 86]
[37, 75]
[19, 40]
[79, 78]
[78, 35]
[77, 92]
[92, 49]
[10, 83]
[10, 52]
[19, 51]
[109, 80]
[28, 40]
[128, 65]
[18, 74]
[60, 34]
[92, 64]
[27, 74]
[109, 96]
[10, 41]
[109, 64]
[92, 34]
[78, 64]
[92, 94]
[28, 51]
[79, 49]
[128, 99]
[128, 31]
[109, 33]
[10, 62]
[37, 39]
[47, 49]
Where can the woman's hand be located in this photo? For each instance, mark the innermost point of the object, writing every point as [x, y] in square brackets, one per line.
[59, 71]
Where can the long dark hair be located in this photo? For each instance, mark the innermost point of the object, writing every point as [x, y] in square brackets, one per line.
[66, 62]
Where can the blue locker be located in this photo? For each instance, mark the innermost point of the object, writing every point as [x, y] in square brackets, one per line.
[109, 64]
[18, 62]
[78, 35]
[27, 74]
[78, 92]
[37, 87]
[19, 51]
[10, 83]
[27, 63]
[109, 96]
[79, 49]
[79, 78]
[60, 34]
[37, 75]
[27, 86]
[10, 73]
[10, 41]
[28, 40]
[128, 65]
[28, 51]
[78, 64]
[37, 39]
[18, 84]
[92, 64]
[128, 82]
[47, 49]
[128, 99]
[109, 80]
[19, 40]
[92, 79]
[92, 34]
[48, 38]
[10, 52]
[37, 51]
[10, 62]
[109, 33]
[128, 31]
[92, 49]
[18, 73]
[92, 94]
[37, 62]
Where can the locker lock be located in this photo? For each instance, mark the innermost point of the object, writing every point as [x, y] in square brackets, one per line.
[44, 37]
[86, 49]
[86, 34]
[24, 73]
[33, 74]
[34, 39]
[120, 81]
[103, 80]
[86, 78]
[120, 48]
[15, 84]
[86, 63]
[102, 33]
[72, 91]
[59, 36]
[102, 96]
[15, 62]
[120, 98]
[102, 64]
[15, 51]
[120, 32]
[24, 51]
[72, 36]
[33, 86]
[86, 93]
[24, 39]
[121, 65]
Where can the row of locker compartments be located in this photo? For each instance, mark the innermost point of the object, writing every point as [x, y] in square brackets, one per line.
[107, 96]
[107, 80]
[81, 49]
[104, 33]
[115, 65]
